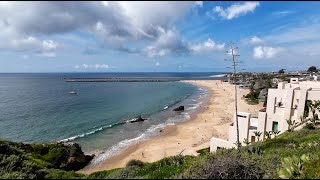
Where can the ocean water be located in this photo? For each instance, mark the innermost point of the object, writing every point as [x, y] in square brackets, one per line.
[38, 108]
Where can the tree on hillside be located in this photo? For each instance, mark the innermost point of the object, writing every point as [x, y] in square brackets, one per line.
[281, 71]
[312, 69]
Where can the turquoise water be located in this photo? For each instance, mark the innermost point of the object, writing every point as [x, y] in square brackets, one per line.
[38, 108]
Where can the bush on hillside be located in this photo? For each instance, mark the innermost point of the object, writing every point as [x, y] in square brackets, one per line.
[227, 165]
[135, 163]
[309, 126]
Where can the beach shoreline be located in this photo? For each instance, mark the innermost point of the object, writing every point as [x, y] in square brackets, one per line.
[211, 119]
[219, 75]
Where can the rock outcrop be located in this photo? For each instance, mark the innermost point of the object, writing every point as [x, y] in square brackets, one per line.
[180, 108]
[138, 119]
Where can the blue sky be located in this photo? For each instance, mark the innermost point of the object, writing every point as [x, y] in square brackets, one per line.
[157, 36]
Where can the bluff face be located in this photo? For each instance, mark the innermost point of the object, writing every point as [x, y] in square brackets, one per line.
[23, 160]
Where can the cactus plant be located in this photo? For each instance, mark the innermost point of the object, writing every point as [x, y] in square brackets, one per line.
[257, 134]
[245, 141]
[254, 150]
[275, 133]
[268, 135]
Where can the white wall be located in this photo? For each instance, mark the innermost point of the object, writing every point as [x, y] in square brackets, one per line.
[216, 142]
[290, 94]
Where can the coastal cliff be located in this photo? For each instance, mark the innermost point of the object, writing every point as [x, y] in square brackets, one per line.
[24, 160]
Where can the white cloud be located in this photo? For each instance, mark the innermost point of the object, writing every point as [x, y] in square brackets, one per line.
[256, 40]
[281, 13]
[24, 56]
[168, 42]
[157, 64]
[113, 23]
[85, 66]
[265, 52]
[47, 54]
[296, 35]
[49, 45]
[236, 10]
[92, 66]
[199, 3]
[206, 46]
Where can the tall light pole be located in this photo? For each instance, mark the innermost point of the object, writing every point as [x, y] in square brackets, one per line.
[232, 51]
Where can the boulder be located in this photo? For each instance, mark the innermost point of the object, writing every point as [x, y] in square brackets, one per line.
[180, 108]
[139, 119]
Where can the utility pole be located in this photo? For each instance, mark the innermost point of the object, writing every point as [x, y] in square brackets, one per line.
[233, 53]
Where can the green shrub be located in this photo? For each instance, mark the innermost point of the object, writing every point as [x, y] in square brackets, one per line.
[166, 168]
[204, 151]
[227, 165]
[59, 174]
[311, 170]
[21, 160]
[135, 163]
[309, 126]
[292, 166]
[125, 173]
[16, 175]
[102, 174]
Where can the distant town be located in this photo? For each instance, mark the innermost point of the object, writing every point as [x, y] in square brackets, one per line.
[259, 83]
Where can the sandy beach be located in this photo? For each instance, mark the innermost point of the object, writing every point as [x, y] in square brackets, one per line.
[212, 119]
[219, 75]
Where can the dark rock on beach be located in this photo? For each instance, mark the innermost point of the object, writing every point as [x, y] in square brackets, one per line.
[139, 119]
[180, 108]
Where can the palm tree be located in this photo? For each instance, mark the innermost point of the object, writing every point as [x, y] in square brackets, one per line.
[257, 134]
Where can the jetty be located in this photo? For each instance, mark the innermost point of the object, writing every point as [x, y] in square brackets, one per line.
[119, 80]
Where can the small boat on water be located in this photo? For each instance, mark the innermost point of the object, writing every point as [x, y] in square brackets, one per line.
[73, 92]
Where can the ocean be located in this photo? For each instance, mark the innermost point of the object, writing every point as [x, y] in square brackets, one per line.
[37, 108]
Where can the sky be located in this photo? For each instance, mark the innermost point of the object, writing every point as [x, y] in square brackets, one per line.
[162, 36]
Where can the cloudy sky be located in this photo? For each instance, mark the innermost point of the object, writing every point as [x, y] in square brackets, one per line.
[157, 36]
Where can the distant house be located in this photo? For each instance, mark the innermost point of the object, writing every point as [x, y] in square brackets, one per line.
[307, 78]
[275, 81]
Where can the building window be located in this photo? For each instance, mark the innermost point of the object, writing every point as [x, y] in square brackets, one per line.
[274, 126]
[242, 116]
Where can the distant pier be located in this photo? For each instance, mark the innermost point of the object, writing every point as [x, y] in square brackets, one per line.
[117, 80]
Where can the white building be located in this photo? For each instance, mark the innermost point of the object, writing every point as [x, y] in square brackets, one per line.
[286, 102]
